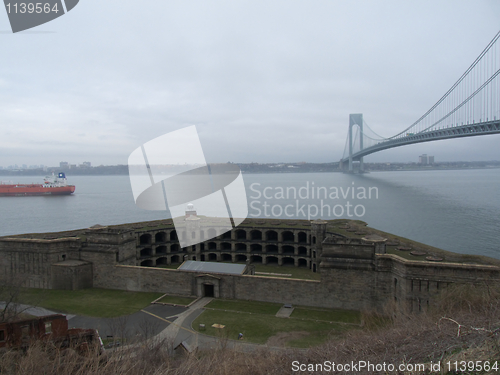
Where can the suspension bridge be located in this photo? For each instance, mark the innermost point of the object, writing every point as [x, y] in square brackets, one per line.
[469, 108]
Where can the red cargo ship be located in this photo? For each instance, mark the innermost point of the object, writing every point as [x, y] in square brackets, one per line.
[52, 186]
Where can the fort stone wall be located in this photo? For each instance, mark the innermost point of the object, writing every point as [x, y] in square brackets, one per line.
[30, 260]
[72, 275]
[356, 273]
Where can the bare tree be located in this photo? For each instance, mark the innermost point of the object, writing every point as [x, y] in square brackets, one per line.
[148, 329]
[118, 327]
[11, 290]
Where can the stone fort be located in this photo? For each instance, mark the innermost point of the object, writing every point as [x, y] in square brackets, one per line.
[359, 269]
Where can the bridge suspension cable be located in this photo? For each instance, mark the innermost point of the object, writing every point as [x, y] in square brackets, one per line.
[470, 107]
[485, 68]
[370, 138]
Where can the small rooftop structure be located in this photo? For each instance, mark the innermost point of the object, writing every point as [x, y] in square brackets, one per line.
[184, 348]
[213, 267]
[97, 226]
[190, 210]
[374, 238]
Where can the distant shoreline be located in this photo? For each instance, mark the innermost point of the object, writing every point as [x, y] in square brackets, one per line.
[270, 168]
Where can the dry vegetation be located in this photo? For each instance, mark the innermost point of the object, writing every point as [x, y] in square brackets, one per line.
[466, 325]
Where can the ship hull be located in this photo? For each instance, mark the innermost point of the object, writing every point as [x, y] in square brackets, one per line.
[34, 190]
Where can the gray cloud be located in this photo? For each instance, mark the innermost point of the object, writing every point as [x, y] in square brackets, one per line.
[262, 80]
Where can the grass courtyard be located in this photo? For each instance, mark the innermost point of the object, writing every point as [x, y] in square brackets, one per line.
[177, 300]
[95, 302]
[257, 322]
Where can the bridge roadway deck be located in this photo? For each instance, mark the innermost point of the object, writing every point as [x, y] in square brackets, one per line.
[468, 130]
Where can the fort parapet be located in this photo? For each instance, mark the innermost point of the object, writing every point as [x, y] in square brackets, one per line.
[355, 272]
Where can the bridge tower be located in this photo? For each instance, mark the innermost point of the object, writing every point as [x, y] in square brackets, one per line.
[355, 119]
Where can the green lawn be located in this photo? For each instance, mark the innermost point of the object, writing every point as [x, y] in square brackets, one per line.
[253, 307]
[343, 316]
[258, 328]
[257, 322]
[102, 303]
[177, 300]
[404, 254]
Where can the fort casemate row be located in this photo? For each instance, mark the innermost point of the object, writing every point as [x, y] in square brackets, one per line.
[359, 268]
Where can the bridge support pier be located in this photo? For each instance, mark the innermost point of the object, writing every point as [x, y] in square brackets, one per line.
[355, 119]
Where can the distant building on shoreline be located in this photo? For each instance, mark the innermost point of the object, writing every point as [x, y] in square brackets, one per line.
[424, 159]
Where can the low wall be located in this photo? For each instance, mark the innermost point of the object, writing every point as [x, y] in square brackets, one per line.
[326, 293]
[391, 279]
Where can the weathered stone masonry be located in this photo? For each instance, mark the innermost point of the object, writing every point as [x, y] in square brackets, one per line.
[355, 273]
[266, 245]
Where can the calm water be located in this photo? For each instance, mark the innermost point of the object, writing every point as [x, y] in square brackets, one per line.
[453, 210]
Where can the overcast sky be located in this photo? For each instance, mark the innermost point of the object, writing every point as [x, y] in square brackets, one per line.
[263, 81]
